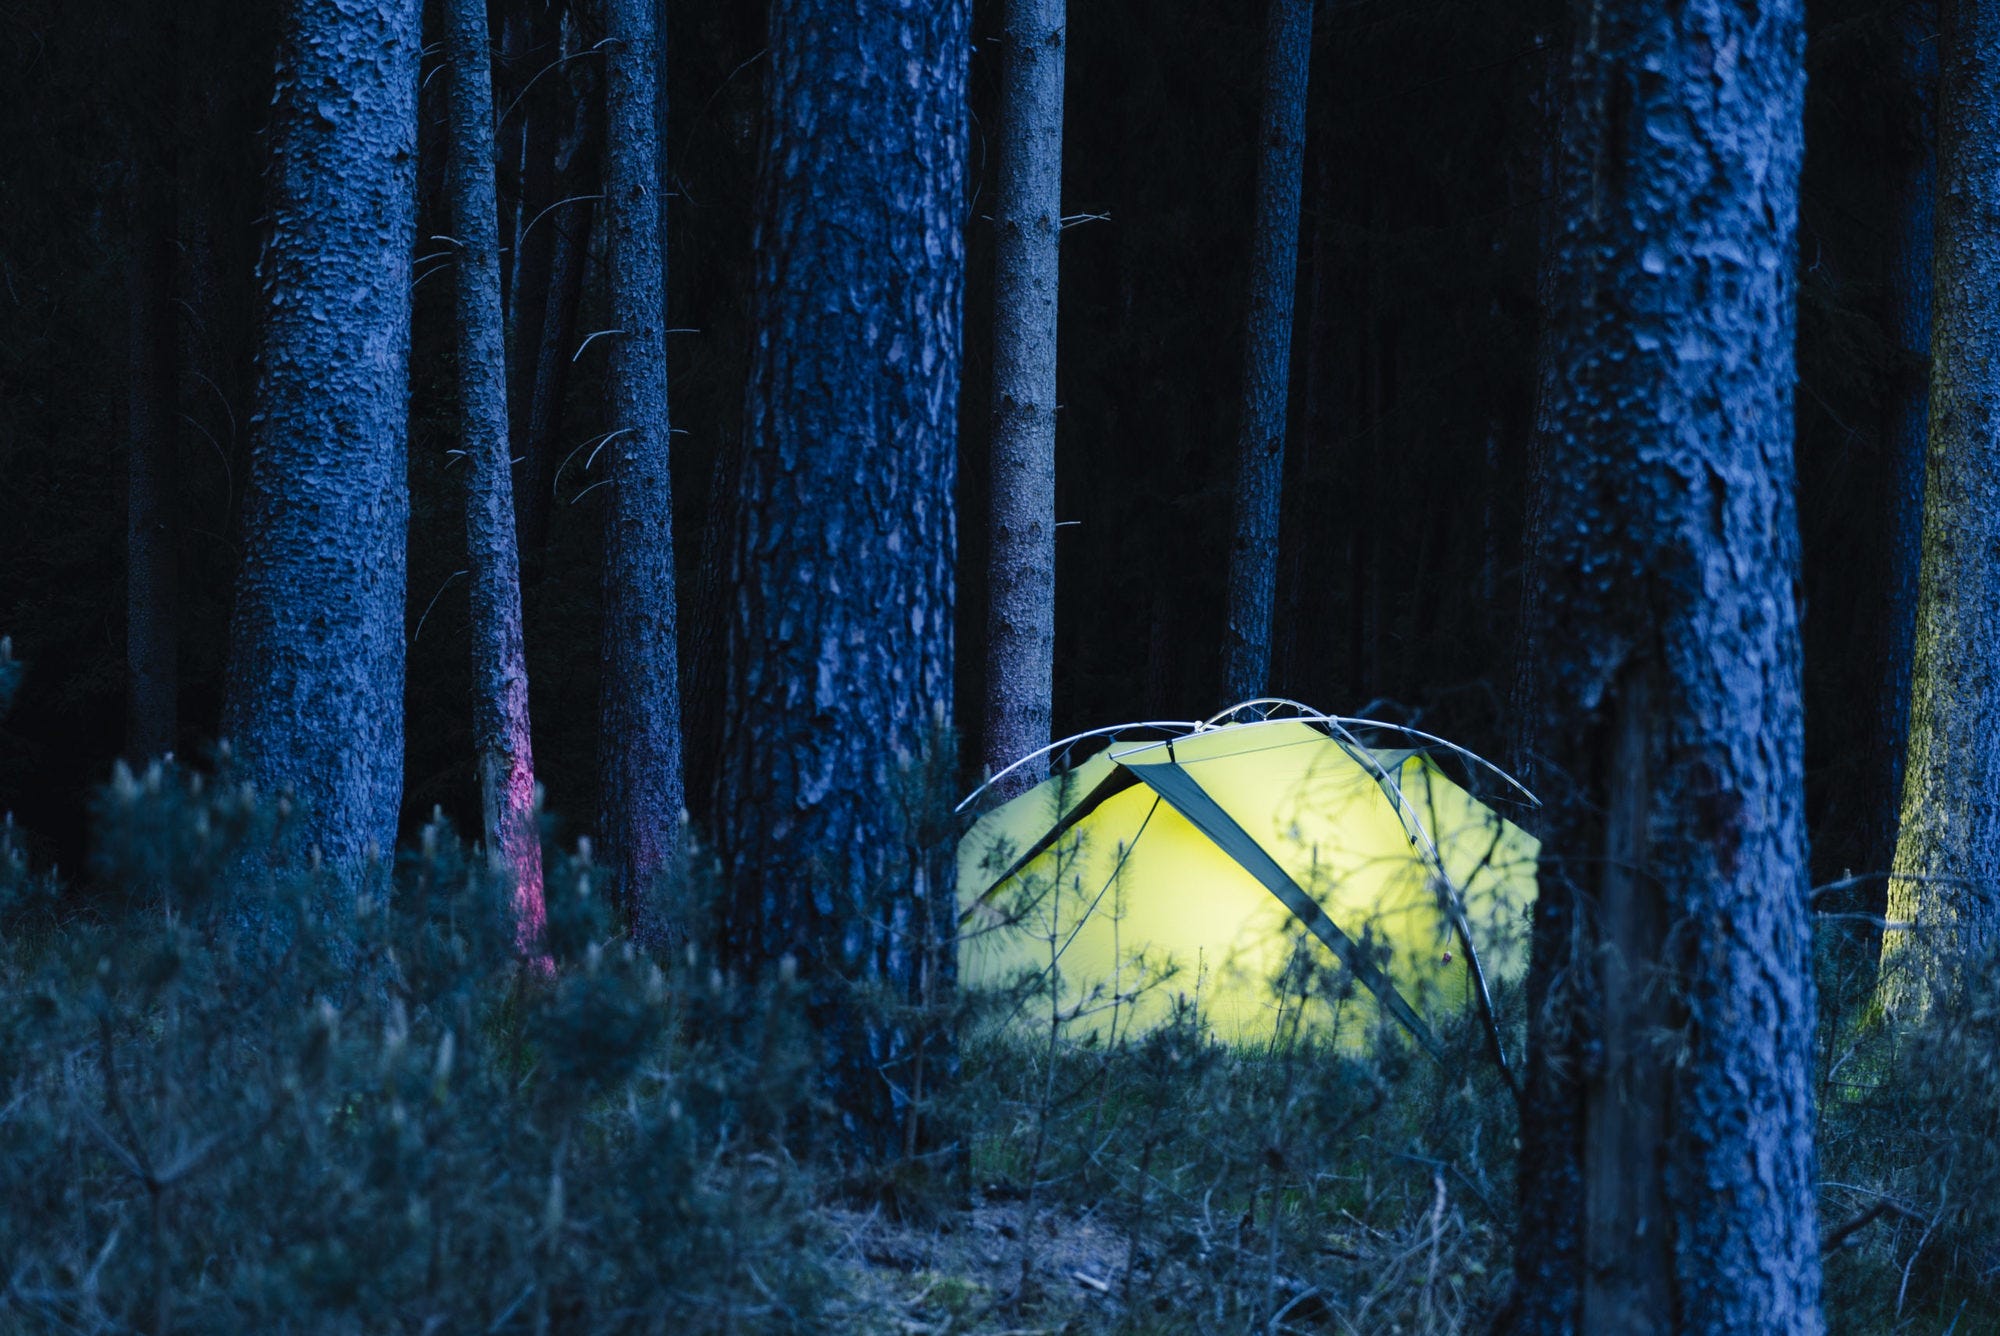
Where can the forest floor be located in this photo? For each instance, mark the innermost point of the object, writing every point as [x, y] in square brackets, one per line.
[975, 1273]
[965, 1273]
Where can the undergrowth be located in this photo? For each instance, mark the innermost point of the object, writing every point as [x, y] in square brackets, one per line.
[234, 1099]
[1909, 1133]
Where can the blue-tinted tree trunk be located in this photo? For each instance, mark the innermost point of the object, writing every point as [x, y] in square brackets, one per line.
[1267, 352]
[640, 797]
[500, 733]
[840, 658]
[315, 680]
[1948, 851]
[1027, 226]
[1676, 1012]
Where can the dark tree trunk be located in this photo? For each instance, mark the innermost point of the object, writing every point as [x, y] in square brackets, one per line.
[521, 26]
[1267, 352]
[500, 735]
[840, 659]
[1675, 1052]
[1299, 645]
[1950, 827]
[640, 793]
[315, 690]
[529, 141]
[561, 172]
[1027, 223]
[152, 512]
[1878, 792]
[704, 661]
[1548, 1245]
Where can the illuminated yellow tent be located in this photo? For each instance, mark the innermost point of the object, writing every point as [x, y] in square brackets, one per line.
[1223, 848]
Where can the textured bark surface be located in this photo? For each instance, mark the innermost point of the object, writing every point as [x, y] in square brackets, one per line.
[500, 736]
[840, 649]
[1904, 434]
[152, 526]
[1027, 225]
[1950, 819]
[1267, 352]
[1676, 1013]
[315, 680]
[640, 794]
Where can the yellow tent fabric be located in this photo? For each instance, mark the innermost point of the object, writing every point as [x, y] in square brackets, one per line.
[1214, 853]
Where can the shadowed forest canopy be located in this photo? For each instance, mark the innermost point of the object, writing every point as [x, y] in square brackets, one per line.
[1414, 393]
[1412, 379]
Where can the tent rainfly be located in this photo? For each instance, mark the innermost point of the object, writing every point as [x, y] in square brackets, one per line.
[1218, 847]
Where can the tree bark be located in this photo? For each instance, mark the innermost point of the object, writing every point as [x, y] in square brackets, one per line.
[1950, 831]
[1675, 1022]
[315, 680]
[640, 790]
[840, 659]
[1267, 352]
[500, 726]
[152, 513]
[1027, 226]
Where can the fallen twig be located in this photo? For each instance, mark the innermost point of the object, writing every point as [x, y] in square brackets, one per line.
[1837, 1238]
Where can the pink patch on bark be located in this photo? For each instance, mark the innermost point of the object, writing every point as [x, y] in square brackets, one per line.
[520, 849]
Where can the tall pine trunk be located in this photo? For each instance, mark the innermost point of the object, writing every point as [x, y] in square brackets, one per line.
[1948, 852]
[1878, 793]
[500, 735]
[1300, 643]
[152, 511]
[840, 648]
[315, 679]
[640, 792]
[1675, 1019]
[1267, 352]
[1027, 225]
[1555, 122]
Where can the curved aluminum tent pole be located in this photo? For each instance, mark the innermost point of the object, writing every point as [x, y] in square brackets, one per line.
[1183, 725]
[1308, 713]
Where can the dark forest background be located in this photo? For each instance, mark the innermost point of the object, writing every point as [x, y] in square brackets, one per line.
[1412, 385]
